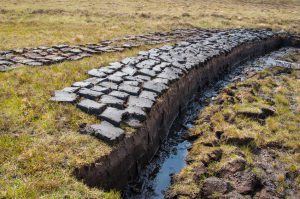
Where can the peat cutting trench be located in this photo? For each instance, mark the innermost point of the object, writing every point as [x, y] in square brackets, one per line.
[156, 178]
[147, 93]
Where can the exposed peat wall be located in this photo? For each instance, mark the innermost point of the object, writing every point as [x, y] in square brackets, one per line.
[134, 151]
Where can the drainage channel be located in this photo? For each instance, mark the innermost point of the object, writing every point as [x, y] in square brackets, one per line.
[155, 179]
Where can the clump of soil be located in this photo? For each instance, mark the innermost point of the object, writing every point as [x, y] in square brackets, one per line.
[248, 141]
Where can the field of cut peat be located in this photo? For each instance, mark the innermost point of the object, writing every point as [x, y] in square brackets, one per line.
[40, 143]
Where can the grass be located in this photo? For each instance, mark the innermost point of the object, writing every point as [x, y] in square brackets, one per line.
[292, 58]
[28, 23]
[279, 131]
[39, 140]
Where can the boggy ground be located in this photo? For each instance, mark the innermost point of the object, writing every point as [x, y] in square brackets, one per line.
[247, 141]
[39, 140]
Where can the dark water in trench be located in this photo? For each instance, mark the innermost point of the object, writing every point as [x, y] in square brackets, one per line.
[155, 179]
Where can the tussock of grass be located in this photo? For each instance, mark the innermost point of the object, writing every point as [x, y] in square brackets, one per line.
[221, 120]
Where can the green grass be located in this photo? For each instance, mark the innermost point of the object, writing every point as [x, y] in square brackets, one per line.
[282, 128]
[25, 23]
[39, 140]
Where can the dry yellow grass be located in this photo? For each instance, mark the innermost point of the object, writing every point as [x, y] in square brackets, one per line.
[25, 23]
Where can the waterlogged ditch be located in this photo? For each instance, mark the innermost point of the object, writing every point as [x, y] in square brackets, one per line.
[156, 178]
